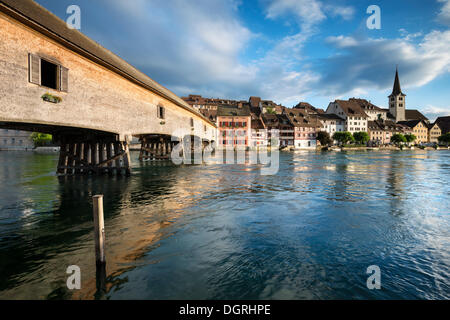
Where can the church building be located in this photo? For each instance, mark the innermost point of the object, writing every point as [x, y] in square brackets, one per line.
[397, 105]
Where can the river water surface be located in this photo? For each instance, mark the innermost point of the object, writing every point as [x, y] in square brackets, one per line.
[227, 232]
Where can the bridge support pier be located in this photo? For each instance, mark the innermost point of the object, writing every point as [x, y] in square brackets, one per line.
[156, 147]
[103, 155]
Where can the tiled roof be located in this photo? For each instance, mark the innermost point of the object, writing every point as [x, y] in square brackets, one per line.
[414, 115]
[211, 115]
[254, 102]
[444, 124]
[410, 123]
[257, 124]
[226, 111]
[329, 116]
[367, 105]
[351, 108]
[300, 118]
[385, 126]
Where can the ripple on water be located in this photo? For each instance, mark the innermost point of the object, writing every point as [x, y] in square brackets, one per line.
[227, 232]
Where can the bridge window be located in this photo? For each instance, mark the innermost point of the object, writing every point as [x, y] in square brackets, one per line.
[161, 112]
[48, 74]
[192, 122]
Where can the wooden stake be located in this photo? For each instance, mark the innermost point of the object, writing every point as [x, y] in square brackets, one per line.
[99, 225]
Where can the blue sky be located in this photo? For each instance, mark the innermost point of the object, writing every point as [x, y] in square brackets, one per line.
[282, 50]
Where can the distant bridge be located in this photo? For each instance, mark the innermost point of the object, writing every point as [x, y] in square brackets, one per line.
[56, 80]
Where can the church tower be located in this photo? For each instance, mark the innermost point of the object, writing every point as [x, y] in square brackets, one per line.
[397, 101]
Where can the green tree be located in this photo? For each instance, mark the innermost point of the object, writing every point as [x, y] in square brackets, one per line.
[361, 137]
[270, 110]
[41, 139]
[324, 138]
[445, 139]
[343, 137]
[398, 139]
[410, 138]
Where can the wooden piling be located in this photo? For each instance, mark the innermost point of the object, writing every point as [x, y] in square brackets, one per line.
[99, 230]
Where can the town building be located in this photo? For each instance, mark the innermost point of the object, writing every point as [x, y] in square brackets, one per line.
[308, 108]
[419, 129]
[397, 101]
[210, 114]
[373, 112]
[259, 134]
[15, 140]
[279, 126]
[234, 127]
[352, 113]
[331, 123]
[381, 131]
[444, 124]
[434, 132]
[397, 105]
[305, 128]
[201, 103]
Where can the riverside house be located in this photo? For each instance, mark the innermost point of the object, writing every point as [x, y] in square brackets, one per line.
[419, 129]
[279, 125]
[381, 132]
[234, 127]
[305, 128]
[373, 112]
[331, 123]
[351, 112]
[434, 132]
[444, 124]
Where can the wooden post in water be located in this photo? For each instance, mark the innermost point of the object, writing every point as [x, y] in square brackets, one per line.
[99, 225]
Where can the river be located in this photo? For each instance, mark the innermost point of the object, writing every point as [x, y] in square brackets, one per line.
[227, 232]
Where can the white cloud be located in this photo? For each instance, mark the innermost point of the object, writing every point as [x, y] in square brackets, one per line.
[409, 36]
[187, 46]
[196, 47]
[433, 112]
[307, 12]
[369, 63]
[444, 14]
[345, 13]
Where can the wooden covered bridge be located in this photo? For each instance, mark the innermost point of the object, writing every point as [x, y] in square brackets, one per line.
[55, 80]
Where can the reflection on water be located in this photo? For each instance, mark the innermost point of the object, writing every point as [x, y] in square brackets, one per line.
[226, 232]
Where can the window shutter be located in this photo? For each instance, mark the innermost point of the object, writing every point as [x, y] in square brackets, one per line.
[64, 79]
[34, 69]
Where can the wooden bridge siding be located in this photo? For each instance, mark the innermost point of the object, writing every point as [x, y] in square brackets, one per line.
[98, 98]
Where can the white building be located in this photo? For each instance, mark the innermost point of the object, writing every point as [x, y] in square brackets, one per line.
[331, 123]
[352, 113]
[15, 140]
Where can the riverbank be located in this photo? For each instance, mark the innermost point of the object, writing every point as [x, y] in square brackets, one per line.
[390, 148]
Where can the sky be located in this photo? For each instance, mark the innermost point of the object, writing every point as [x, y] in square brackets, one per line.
[282, 50]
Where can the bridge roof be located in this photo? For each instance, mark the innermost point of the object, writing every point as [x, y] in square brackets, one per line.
[42, 20]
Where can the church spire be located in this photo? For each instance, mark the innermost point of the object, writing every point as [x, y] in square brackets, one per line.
[397, 89]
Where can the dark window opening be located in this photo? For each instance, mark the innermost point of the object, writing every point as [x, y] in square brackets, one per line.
[49, 75]
[161, 112]
[192, 123]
